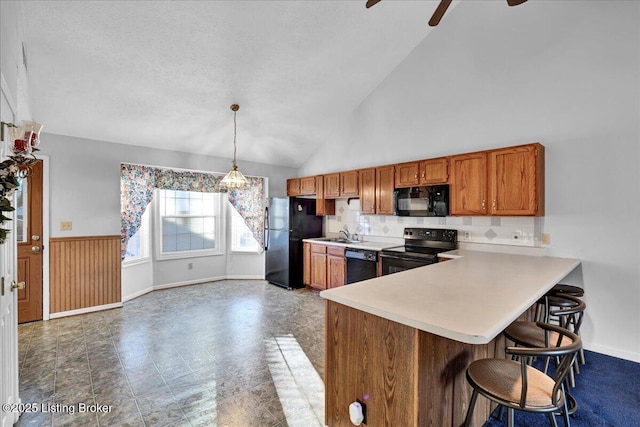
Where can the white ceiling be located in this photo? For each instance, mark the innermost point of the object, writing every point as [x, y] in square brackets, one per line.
[164, 73]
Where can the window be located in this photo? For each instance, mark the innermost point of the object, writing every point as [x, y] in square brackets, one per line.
[138, 244]
[242, 239]
[22, 209]
[189, 223]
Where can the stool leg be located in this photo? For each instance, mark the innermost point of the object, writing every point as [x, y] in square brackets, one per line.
[472, 404]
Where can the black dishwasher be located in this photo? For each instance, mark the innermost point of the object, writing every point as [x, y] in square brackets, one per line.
[362, 264]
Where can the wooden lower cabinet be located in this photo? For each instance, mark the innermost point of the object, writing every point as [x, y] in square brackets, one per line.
[336, 266]
[405, 376]
[318, 266]
[327, 266]
[306, 263]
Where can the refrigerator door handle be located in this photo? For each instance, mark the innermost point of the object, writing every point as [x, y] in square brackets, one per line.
[266, 229]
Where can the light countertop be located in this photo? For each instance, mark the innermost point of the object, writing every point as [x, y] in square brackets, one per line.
[470, 298]
[373, 246]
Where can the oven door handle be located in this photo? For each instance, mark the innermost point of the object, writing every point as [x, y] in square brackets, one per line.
[400, 257]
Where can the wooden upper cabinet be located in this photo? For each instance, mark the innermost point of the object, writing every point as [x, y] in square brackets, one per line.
[516, 180]
[332, 185]
[323, 206]
[384, 190]
[301, 186]
[341, 184]
[293, 187]
[308, 185]
[407, 174]
[367, 178]
[434, 171]
[349, 184]
[468, 184]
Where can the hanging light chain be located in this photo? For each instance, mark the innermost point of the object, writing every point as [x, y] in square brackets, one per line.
[234, 108]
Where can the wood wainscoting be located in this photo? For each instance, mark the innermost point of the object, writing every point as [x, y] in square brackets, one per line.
[84, 272]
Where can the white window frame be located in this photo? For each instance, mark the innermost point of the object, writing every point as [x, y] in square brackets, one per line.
[233, 217]
[219, 226]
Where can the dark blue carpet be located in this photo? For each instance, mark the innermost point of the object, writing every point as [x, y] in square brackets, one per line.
[608, 394]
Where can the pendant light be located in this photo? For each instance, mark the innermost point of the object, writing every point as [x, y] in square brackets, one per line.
[234, 179]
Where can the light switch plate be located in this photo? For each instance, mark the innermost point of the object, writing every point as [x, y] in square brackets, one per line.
[65, 225]
[545, 238]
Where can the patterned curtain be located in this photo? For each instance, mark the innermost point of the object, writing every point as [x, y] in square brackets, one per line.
[249, 202]
[138, 182]
[136, 191]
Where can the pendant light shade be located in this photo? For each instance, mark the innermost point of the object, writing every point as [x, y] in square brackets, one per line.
[235, 178]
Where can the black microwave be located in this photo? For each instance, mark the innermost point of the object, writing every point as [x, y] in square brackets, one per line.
[432, 200]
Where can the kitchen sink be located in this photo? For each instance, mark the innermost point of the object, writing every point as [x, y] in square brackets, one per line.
[336, 240]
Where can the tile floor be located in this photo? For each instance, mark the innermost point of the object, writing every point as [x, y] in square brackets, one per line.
[228, 353]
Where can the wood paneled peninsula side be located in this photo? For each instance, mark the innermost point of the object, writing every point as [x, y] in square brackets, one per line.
[401, 343]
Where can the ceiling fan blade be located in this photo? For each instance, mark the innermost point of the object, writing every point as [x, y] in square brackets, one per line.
[439, 13]
[373, 3]
[515, 2]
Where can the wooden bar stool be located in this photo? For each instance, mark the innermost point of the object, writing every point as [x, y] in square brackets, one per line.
[517, 385]
[566, 310]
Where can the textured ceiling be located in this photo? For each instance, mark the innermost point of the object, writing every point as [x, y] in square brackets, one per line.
[164, 73]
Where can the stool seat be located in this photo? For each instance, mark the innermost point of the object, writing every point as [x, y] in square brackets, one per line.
[563, 289]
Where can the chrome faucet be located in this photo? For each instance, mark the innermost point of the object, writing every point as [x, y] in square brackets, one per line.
[346, 232]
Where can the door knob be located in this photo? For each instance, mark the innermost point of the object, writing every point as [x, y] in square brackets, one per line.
[19, 285]
[35, 248]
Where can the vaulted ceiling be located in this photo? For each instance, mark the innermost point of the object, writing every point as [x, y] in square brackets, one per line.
[164, 73]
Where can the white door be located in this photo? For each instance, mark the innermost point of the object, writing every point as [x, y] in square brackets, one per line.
[8, 304]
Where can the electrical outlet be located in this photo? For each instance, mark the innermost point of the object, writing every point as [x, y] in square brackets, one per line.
[467, 235]
[545, 238]
[65, 225]
[190, 266]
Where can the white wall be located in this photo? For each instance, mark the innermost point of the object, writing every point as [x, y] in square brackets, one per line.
[85, 189]
[564, 73]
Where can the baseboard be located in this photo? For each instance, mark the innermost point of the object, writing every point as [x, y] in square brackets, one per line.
[189, 282]
[137, 294]
[615, 352]
[240, 277]
[85, 310]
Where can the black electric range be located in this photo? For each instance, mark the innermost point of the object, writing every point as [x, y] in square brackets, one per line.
[421, 247]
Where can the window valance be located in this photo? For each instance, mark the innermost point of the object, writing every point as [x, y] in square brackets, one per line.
[137, 183]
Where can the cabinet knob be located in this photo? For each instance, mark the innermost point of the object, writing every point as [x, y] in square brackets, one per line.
[483, 204]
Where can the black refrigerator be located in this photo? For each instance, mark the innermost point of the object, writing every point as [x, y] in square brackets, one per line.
[288, 220]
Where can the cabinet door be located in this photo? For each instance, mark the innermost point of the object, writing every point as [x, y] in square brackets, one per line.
[332, 186]
[407, 174]
[318, 266]
[384, 190]
[306, 263]
[349, 184]
[434, 171]
[336, 271]
[323, 206]
[293, 187]
[308, 185]
[468, 188]
[516, 180]
[367, 178]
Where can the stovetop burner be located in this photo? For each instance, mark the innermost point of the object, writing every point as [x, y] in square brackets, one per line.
[425, 243]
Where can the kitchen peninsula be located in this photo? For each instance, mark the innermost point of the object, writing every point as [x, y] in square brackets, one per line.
[401, 343]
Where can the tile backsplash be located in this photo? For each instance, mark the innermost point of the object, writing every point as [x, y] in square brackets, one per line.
[517, 231]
